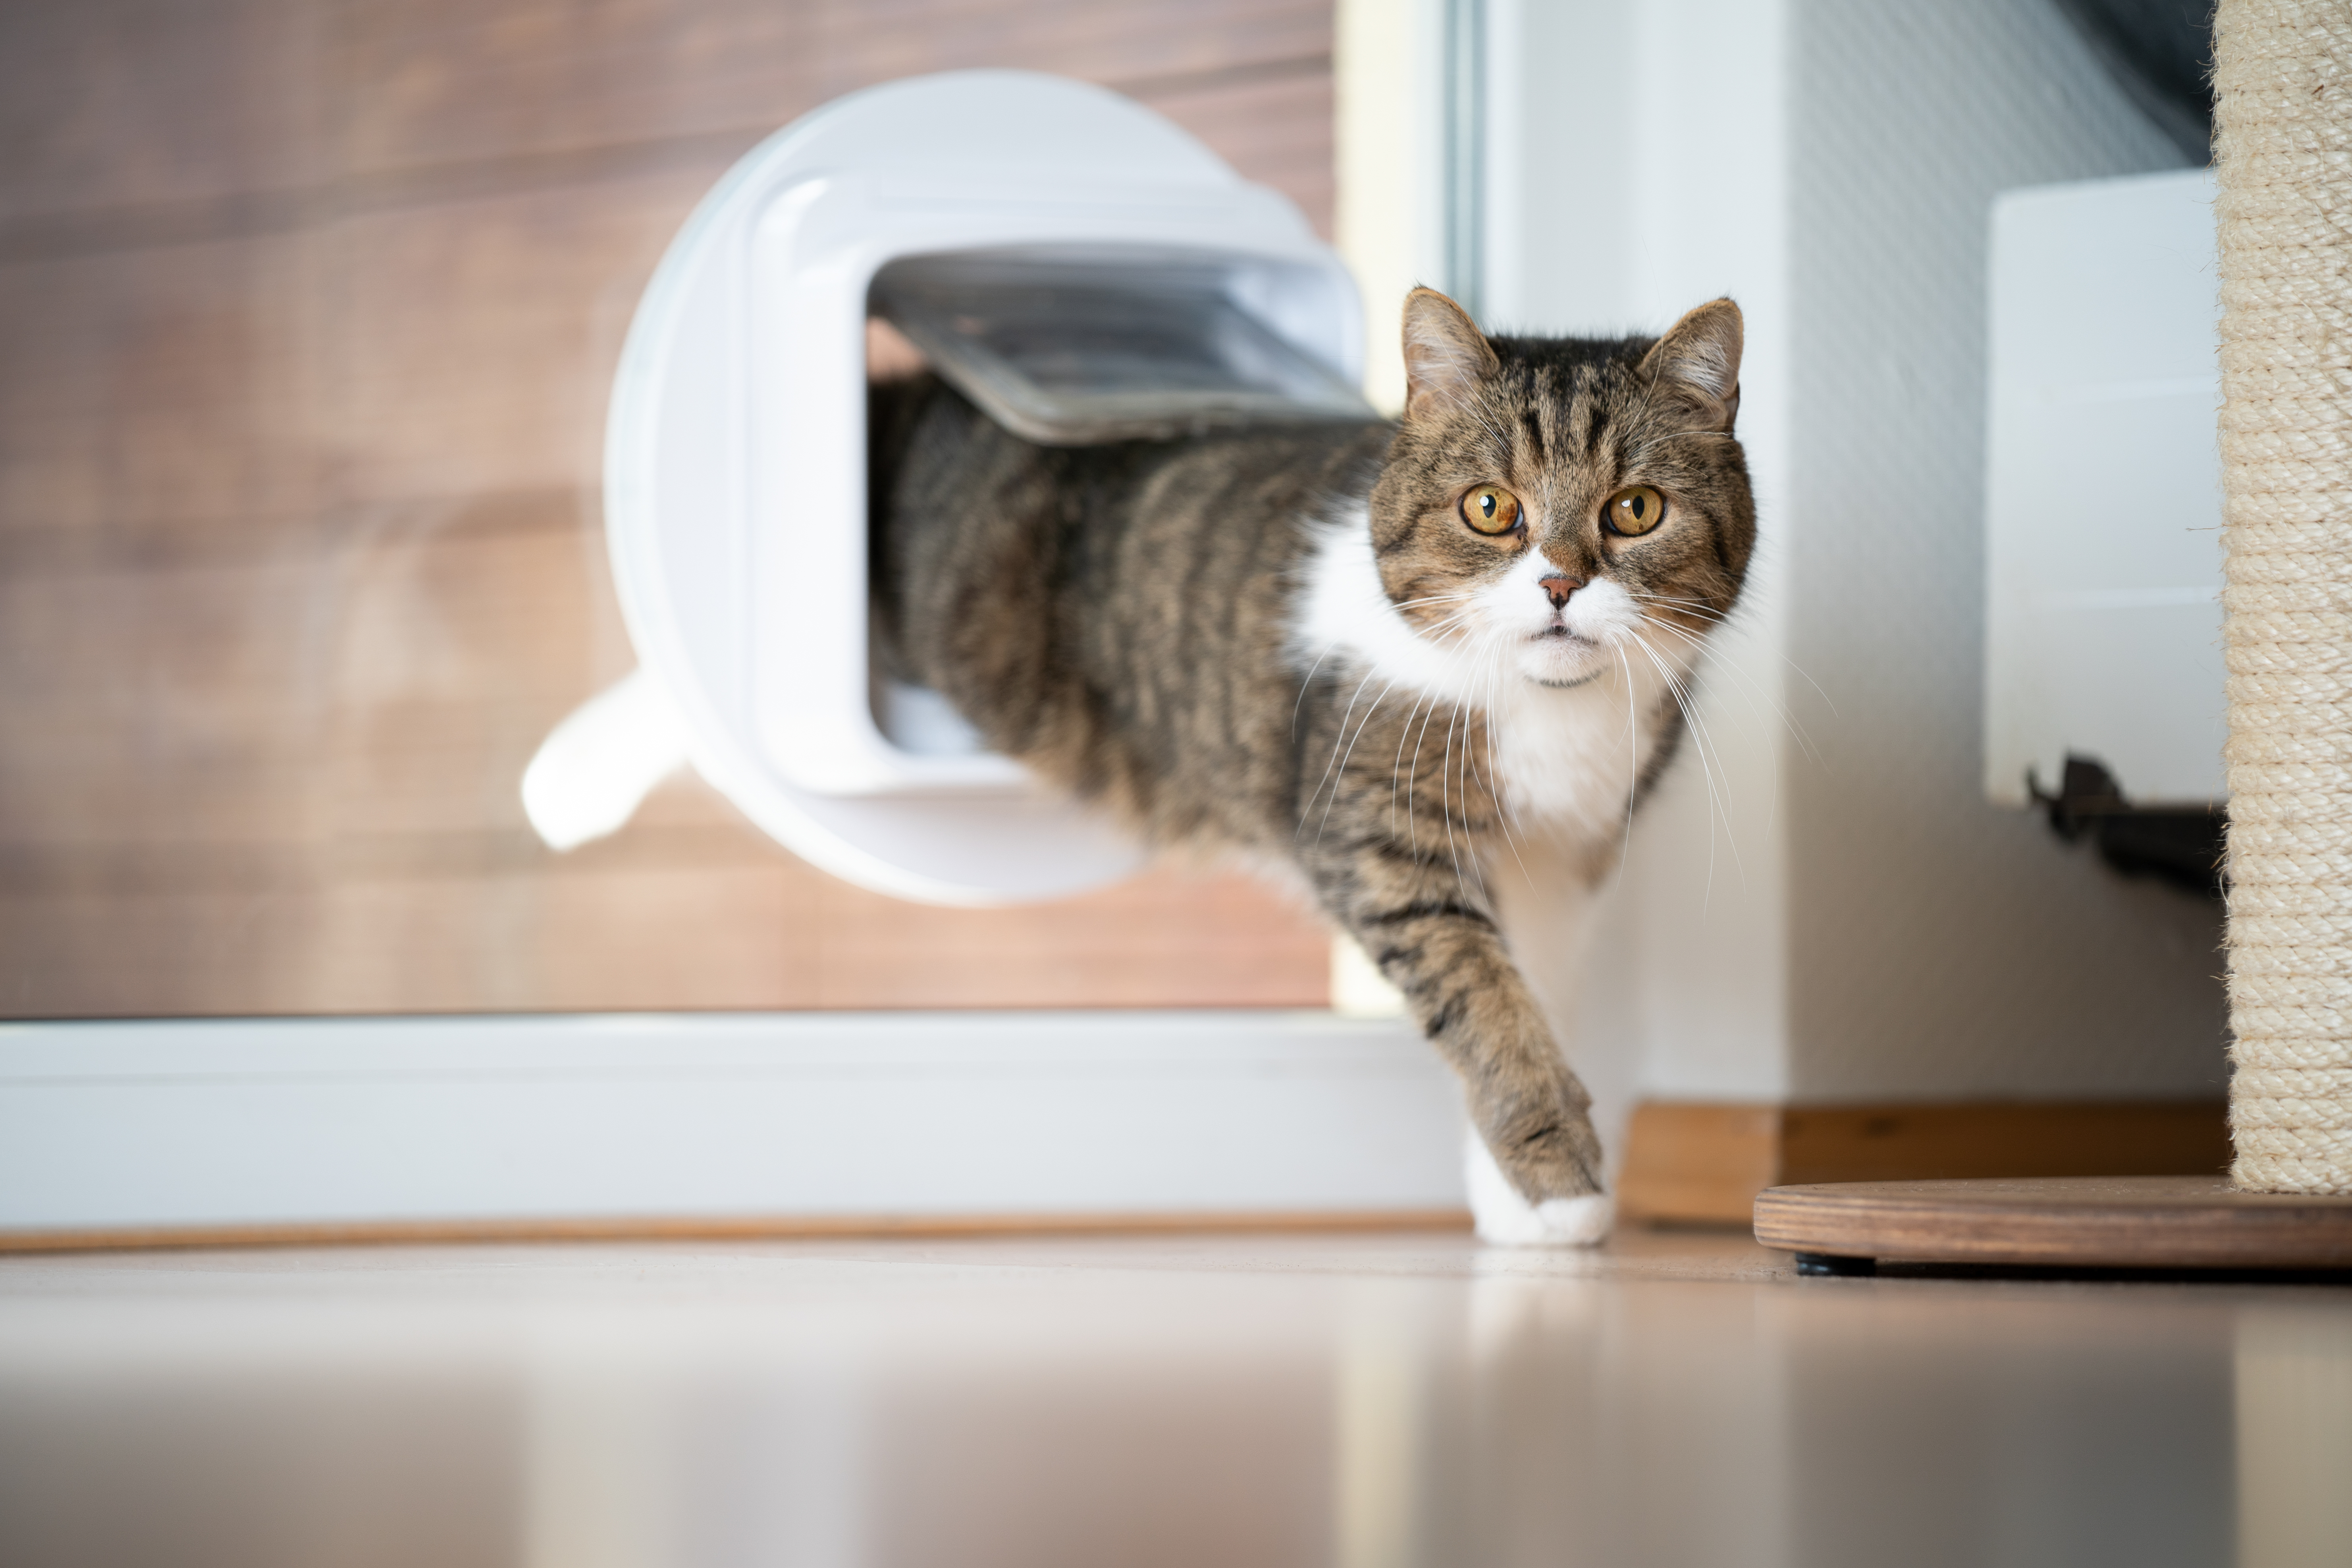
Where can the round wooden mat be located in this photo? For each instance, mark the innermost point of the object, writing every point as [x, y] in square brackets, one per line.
[2106, 1222]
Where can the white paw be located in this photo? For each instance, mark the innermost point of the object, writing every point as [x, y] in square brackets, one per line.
[1506, 1219]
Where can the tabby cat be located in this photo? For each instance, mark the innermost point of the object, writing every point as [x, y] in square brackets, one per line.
[1432, 665]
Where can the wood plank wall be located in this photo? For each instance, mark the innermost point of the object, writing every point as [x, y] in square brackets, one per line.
[308, 313]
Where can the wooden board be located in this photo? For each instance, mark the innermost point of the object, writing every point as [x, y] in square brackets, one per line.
[2109, 1221]
[1689, 1161]
[1699, 1164]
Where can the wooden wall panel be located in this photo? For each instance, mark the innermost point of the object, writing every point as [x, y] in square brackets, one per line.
[1276, 128]
[564, 82]
[1173, 937]
[107, 104]
[458, 644]
[156, 705]
[1136, 47]
[308, 315]
[476, 339]
[156, 398]
[235, 946]
[460, 79]
[616, 930]
[711, 921]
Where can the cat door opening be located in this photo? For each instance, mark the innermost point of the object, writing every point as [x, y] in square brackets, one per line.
[1085, 345]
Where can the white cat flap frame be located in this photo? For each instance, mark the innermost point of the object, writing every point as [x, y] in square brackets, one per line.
[735, 467]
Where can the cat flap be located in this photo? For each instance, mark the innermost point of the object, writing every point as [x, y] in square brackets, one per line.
[736, 447]
[1077, 350]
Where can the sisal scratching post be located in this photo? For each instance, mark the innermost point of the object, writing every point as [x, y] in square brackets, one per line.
[2282, 77]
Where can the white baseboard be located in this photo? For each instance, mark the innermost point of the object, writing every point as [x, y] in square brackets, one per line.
[221, 1124]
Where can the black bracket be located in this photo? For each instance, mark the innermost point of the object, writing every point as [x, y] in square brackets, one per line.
[2181, 849]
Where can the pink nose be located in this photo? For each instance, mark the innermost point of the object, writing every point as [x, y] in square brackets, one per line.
[1557, 587]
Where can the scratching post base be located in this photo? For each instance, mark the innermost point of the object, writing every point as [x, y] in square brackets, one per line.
[2062, 1222]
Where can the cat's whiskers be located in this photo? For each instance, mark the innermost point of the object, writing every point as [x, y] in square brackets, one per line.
[1720, 619]
[1708, 756]
[1336, 643]
[1484, 646]
[1632, 743]
[1758, 697]
[1412, 775]
[1489, 686]
[1438, 628]
[1499, 650]
[1705, 771]
[1446, 628]
[1446, 795]
[1396, 763]
[1460, 714]
[1361, 725]
[1698, 607]
[1371, 674]
[1307, 680]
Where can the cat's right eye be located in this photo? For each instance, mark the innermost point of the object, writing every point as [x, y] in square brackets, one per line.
[1491, 509]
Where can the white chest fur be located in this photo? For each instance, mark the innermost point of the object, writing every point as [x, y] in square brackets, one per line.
[1566, 757]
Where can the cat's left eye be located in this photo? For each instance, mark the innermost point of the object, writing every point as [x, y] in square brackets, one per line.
[1633, 511]
[1491, 509]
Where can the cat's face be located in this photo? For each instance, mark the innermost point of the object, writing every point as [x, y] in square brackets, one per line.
[1556, 508]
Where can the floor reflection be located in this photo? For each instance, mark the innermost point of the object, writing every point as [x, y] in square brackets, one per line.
[1370, 1403]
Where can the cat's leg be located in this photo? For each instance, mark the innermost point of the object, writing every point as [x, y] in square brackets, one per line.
[1432, 931]
[1545, 901]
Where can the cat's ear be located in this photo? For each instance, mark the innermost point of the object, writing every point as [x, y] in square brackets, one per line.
[1698, 361]
[1445, 354]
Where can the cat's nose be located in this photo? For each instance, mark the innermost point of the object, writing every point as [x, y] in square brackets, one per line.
[1557, 587]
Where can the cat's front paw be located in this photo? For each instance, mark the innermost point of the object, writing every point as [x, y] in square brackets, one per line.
[1505, 1218]
[1543, 1143]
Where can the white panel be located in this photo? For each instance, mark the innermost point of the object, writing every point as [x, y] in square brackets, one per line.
[2103, 489]
[303, 1121]
[1388, 86]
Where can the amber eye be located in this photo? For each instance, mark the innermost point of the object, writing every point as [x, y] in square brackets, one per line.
[1491, 509]
[1633, 511]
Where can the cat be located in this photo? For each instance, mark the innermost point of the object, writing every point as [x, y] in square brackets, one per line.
[1431, 667]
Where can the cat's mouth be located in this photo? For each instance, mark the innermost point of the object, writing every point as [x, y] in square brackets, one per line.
[1561, 651]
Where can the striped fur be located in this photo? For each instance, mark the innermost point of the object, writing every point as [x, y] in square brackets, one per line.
[1288, 643]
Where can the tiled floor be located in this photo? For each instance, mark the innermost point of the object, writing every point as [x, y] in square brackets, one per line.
[1359, 1400]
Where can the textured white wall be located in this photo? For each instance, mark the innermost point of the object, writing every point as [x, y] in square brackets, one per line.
[1939, 946]
[1820, 906]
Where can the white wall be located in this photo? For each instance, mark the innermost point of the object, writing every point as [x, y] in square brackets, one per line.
[1820, 906]
[1941, 946]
